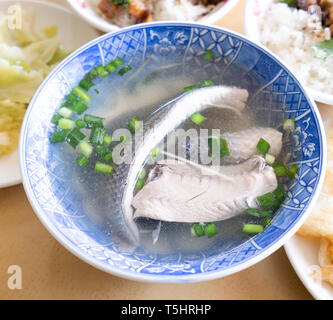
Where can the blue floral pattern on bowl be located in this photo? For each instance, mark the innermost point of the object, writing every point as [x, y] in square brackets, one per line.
[46, 176]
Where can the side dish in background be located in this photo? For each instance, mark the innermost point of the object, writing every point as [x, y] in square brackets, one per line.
[303, 38]
[320, 223]
[127, 12]
[26, 57]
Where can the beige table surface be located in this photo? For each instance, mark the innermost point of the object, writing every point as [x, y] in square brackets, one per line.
[49, 271]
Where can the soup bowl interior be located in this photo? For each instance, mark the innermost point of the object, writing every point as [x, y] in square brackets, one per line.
[165, 58]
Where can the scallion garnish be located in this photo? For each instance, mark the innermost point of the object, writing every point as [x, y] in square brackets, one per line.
[269, 158]
[155, 152]
[55, 119]
[139, 184]
[292, 171]
[209, 55]
[198, 118]
[82, 161]
[118, 62]
[289, 124]
[82, 94]
[74, 137]
[79, 107]
[210, 230]
[58, 136]
[190, 88]
[66, 124]
[71, 97]
[280, 171]
[97, 135]
[102, 150]
[85, 148]
[268, 201]
[91, 75]
[65, 112]
[122, 71]
[80, 124]
[279, 194]
[134, 124]
[258, 213]
[218, 146]
[267, 221]
[108, 157]
[107, 139]
[263, 146]
[250, 228]
[93, 121]
[197, 230]
[110, 67]
[142, 174]
[103, 168]
[206, 83]
[101, 71]
[86, 84]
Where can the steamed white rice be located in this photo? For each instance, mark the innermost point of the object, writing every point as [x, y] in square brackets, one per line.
[291, 34]
[180, 10]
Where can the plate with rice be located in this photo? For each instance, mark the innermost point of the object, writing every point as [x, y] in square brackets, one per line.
[300, 32]
[111, 15]
[34, 38]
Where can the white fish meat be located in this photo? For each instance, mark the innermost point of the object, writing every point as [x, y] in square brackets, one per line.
[179, 192]
[165, 119]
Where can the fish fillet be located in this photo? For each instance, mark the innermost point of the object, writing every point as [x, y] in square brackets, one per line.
[165, 119]
[182, 193]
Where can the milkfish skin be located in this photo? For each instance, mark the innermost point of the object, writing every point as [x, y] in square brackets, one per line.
[243, 144]
[166, 119]
[182, 193]
[190, 197]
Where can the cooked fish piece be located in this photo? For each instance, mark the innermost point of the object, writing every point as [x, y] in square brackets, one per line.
[138, 9]
[184, 193]
[164, 120]
[243, 144]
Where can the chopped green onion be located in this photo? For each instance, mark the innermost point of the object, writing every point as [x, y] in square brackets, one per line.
[122, 71]
[66, 124]
[139, 184]
[198, 118]
[218, 146]
[250, 228]
[58, 136]
[267, 221]
[210, 230]
[86, 84]
[190, 88]
[118, 62]
[107, 139]
[289, 124]
[269, 158]
[268, 201]
[74, 137]
[71, 97]
[279, 194]
[82, 94]
[142, 174]
[197, 230]
[80, 124]
[85, 148]
[93, 121]
[280, 171]
[258, 213]
[206, 83]
[292, 171]
[123, 139]
[134, 124]
[65, 112]
[103, 168]
[91, 75]
[110, 68]
[102, 150]
[97, 135]
[101, 71]
[79, 107]
[155, 152]
[263, 146]
[209, 55]
[108, 157]
[82, 161]
[97, 92]
[55, 119]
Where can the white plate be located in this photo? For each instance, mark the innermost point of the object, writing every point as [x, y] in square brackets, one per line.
[88, 11]
[251, 15]
[303, 255]
[73, 33]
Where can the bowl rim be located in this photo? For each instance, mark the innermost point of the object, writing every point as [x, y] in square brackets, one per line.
[102, 24]
[204, 276]
[248, 29]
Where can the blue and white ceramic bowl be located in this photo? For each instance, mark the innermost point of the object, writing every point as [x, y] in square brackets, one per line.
[47, 172]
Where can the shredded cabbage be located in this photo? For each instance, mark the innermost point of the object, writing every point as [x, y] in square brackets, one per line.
[26, 57]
